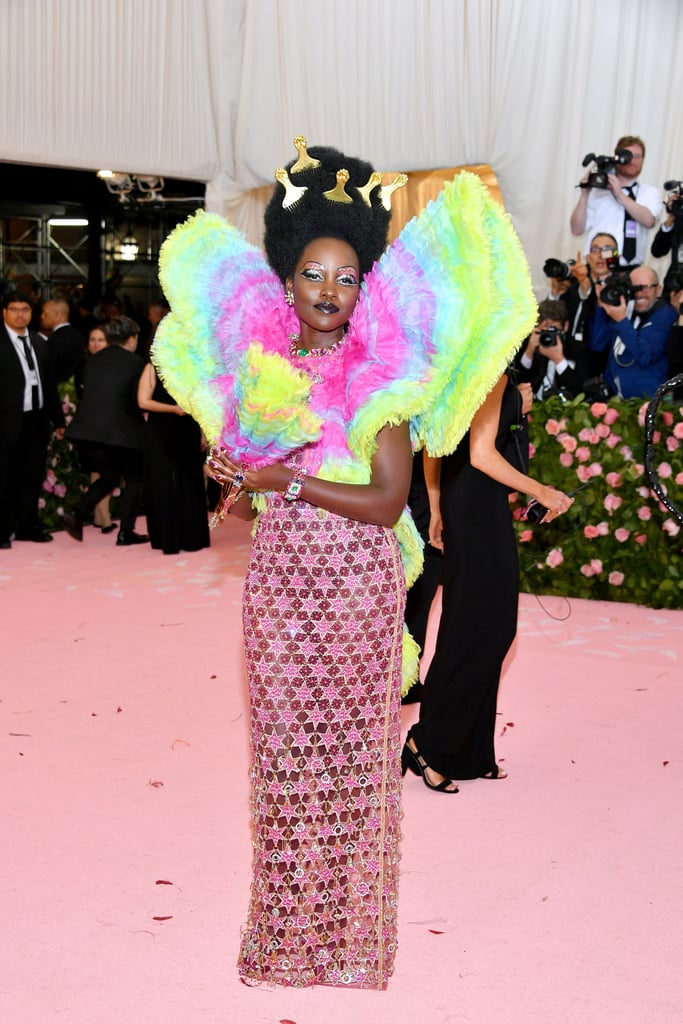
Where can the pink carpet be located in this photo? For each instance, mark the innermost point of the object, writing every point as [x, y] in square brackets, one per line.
[553, 897]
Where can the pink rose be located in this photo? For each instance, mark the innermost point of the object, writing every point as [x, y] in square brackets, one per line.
[668, 418]
[554, 558]
[569, 443]
[598, 409]
[566, 459]
[679, 478]
[664, 470]
[678, 431]
[670, 527]
[584, 474]
[644, 513]
[590, 532]
[641, 538]
[616, 578]
[612, 502]
[41, 503]
[644, 492]
[525, 536]
[602, 430]
[552, 427]
[532, 450]
[584, 435]
[595, 469]
[640, 468]
[611, 416]
[613, 479]
[596, 565]
[622, 534]
[60, 490]
[613, 440]
[671, 444]
[583, 454]
[626, 452]
[587, 570]
[603, 528]
[641, 414]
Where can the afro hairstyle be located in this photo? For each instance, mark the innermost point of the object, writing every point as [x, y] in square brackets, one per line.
[288, 231]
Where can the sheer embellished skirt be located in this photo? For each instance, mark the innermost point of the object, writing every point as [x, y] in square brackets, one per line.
[323, 618]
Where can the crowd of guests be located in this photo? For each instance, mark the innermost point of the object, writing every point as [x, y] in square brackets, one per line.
[607, 326]
[127, 430]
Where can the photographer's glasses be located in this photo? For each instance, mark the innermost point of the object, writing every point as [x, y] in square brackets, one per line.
[602, 250]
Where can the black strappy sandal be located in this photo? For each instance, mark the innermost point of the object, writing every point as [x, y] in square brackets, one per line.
[413, 759]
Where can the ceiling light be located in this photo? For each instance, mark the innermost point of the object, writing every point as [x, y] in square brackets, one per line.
[128, 248]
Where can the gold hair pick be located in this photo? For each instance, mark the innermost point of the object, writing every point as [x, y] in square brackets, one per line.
[337, 194]
[304, 162]
[386, 190]
[374, 180]
[293, 193]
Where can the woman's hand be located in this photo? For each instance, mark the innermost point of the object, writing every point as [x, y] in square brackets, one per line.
[555, 501]
[225, 470]
[436, 531]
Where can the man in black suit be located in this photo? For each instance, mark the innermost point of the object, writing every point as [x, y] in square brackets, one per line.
[110, 421]
[65, 345]
[28, 403]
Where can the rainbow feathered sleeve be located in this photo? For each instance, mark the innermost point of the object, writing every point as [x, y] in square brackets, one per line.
[212, 350]
[458, 286]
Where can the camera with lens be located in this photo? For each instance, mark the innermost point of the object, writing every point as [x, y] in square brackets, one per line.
[559, 269]
[550, 336]
[604, 165]
[617, 286]
[674, 203]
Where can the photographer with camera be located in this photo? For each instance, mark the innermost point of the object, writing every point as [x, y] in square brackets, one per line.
[632, 324]
[580, 300]
[543, 362]
[614, 201]
[669, 237]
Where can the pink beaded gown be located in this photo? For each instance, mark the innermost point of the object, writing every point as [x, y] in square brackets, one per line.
[323, 617]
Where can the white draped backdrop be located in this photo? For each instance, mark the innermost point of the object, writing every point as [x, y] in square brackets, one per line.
[215, 90]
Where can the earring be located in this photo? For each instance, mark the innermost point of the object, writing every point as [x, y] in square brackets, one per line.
[289, 297]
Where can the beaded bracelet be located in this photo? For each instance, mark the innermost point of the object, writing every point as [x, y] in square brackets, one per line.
[295, 486]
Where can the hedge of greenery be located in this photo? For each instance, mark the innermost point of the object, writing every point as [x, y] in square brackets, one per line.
[618, 541]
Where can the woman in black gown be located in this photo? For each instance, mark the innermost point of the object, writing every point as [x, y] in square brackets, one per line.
[174, 491]
[454, 736]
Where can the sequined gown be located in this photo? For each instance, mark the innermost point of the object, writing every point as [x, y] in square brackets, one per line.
[323, 611]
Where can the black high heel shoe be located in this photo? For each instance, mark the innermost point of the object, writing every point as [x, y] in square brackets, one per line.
[414, 760]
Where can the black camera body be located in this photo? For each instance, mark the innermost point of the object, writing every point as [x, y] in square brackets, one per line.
[559, 269]
[605, 165]
[674, 205]
[617, 286]
[550, 336]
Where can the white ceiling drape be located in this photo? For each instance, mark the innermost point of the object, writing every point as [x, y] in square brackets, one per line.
[215, 90]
